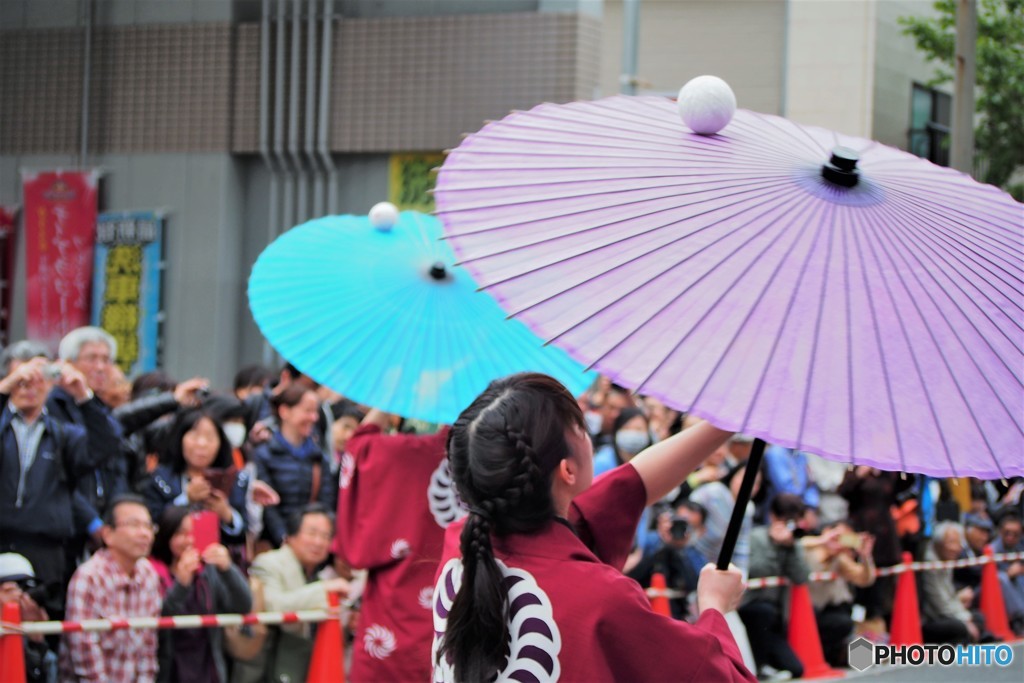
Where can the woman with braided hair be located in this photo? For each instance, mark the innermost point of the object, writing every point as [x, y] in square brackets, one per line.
[530, 586]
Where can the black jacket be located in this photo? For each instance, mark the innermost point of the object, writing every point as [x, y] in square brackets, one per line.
[46, 503]
[105, 441]
[290, 471]
[164, 485]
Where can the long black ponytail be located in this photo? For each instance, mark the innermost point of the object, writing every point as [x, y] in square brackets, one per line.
[502, 450]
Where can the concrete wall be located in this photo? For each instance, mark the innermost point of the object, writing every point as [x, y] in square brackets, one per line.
[898, 65]
[217, 224]
[202, 194]
[830, 69]
[740, 41]
[27, 14]
[362, 181]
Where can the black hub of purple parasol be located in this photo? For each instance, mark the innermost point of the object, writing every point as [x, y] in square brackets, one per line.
[841, 169]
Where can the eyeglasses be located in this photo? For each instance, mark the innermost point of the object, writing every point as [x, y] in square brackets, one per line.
[138, 524]
[94, 359]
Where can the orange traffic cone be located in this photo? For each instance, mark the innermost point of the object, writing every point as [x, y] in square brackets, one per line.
[659, 603]
[327, 664]
[991, 600]
[803, 635]
[906, 612]
[12, 652]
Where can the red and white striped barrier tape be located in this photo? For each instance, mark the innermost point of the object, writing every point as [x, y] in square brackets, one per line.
[317, 615]
[187, 621]
[778, 581]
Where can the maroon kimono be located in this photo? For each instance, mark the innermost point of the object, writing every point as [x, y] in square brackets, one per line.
[575, 617]
[394, 500]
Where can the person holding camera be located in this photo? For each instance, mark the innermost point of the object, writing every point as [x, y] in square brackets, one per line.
[774, 551]
[17, 582]
[200, 474]
[848, 555]
[40, 461]
[675, 559]
[87, 356]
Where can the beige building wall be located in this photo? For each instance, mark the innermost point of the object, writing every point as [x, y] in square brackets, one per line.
[898, 65]
[740, 41]
[830, 70]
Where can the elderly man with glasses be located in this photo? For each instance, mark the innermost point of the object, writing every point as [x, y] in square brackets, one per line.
[40, 461]
[91, 352]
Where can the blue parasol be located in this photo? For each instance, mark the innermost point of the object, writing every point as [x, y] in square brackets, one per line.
[381, 316]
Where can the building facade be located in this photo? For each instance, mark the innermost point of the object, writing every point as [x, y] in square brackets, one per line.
[242, 118]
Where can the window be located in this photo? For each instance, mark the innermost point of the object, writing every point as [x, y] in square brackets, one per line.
[930, 116]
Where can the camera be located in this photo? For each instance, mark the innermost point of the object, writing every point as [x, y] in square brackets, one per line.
[679, 528]
[52, 372]
[851, 541]
[795, 530]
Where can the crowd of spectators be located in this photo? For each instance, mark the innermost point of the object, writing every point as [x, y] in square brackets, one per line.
[809, 514]
[158, 497]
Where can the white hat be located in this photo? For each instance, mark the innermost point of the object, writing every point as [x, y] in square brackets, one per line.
[14, 567]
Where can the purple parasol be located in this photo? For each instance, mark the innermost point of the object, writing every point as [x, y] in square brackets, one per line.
[819, 291]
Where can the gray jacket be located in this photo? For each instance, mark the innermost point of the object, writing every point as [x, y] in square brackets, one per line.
[770, 559]
[939, 599]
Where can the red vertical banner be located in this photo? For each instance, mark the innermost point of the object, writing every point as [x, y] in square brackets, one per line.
[60, 232]
[8, 253]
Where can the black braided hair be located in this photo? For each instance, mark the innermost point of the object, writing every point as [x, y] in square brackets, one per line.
[502, 449]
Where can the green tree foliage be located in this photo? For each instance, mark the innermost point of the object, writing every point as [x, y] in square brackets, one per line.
[999, 136]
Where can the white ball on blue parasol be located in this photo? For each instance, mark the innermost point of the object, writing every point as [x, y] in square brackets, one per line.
[383, 215]
[707, 104]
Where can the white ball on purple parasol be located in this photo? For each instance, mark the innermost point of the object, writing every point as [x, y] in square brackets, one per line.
[383, 215]
[706, 104]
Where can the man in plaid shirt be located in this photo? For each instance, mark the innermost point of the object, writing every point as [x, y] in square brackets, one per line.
[116, 582]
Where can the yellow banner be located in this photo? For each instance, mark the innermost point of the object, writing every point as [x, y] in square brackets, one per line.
[411, 179]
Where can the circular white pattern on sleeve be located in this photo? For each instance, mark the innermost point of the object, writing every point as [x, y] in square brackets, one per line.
[534, 638]
[400, 548]
[379, 642]
[348, 468]
[444, 500]
[426, 596]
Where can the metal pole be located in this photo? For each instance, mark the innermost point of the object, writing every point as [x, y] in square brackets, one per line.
[316, 207]
[86, 73]
[630, 31]
[325, 112]
[288, 211]
[962, 144]
[293, 116]
[273, 206]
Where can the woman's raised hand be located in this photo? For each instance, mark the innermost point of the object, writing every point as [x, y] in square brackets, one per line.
[720, 590]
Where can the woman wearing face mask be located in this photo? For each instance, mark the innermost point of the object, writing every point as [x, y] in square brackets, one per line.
[631, 433]
[232, 414]
[197, 446]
